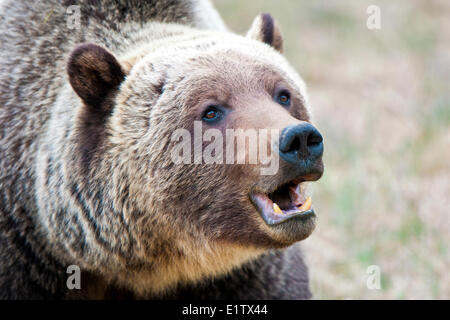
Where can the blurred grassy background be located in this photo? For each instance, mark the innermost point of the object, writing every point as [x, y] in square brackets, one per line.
[381, 100]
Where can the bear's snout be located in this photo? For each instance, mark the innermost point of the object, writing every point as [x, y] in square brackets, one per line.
[301, 145]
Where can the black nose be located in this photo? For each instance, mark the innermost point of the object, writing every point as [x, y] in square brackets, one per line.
[301, 144]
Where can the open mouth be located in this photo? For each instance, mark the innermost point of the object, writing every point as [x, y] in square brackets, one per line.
[286, 202]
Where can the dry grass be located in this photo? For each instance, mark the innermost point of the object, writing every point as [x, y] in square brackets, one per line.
[381, 100]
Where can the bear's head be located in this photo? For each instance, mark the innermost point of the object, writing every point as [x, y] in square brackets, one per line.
[194, 153]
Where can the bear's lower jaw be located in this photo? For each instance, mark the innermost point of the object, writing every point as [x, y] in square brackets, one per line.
[286, 211]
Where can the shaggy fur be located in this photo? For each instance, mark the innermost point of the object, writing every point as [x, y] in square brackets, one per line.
[86, 178]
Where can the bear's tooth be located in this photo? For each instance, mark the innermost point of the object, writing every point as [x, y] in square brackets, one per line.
[307, 205]
[276, 208]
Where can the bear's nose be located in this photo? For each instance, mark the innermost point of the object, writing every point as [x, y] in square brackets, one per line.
[301, 144]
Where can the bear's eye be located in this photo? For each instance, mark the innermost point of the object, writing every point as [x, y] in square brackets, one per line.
[284, 98]
[212, 114]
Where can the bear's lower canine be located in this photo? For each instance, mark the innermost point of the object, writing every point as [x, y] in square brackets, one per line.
[91, 93]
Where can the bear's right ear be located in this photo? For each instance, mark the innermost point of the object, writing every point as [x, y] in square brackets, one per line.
[93, 73]
[265, 29]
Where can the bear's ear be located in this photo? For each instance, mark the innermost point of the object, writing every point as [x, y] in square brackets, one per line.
[265, 29]
[93, 73]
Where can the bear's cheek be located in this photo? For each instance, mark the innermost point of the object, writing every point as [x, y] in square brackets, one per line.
[211, 194]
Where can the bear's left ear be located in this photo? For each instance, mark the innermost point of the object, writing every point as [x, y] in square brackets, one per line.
[93, 73]
[265, 29]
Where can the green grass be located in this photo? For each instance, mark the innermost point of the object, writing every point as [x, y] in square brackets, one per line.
[411, 228]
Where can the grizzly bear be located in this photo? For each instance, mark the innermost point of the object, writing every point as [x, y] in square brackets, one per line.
[91, 93]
